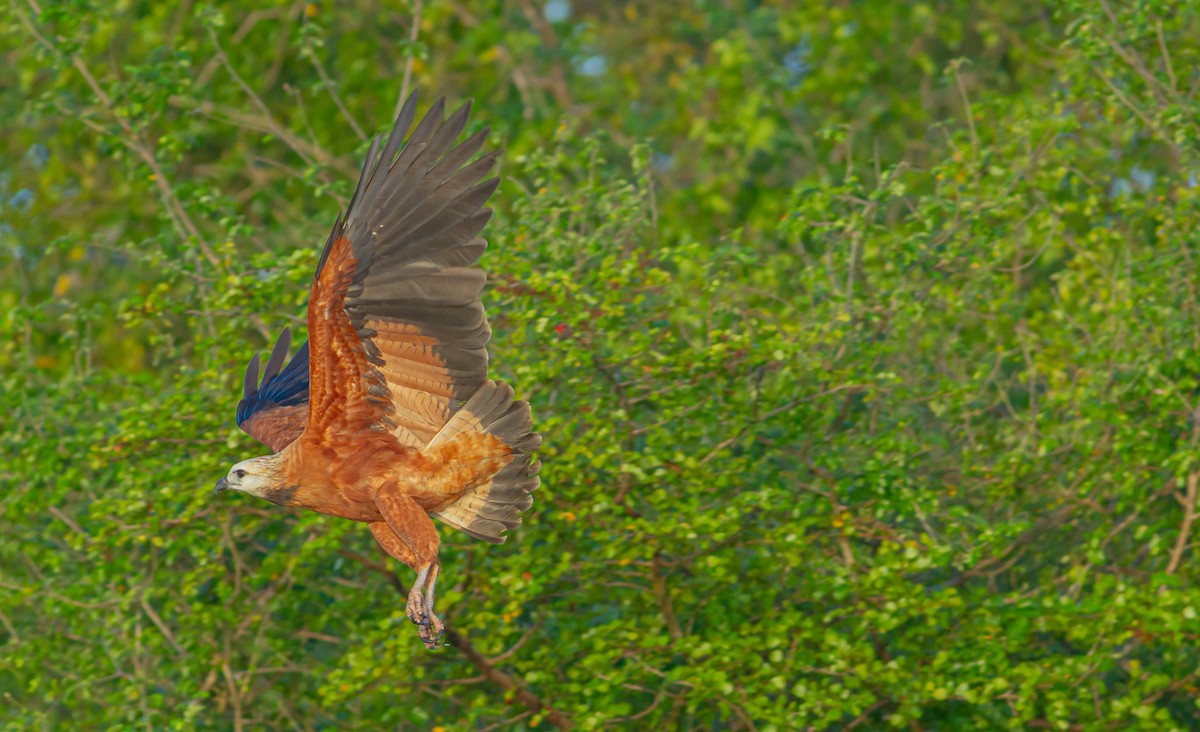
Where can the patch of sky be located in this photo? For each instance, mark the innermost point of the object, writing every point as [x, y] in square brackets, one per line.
[662, 162]
[796, 61]
[22, 200]
[556, 11]
[1143, 179]
[37, 155]
[1139, 180]
[593, 66]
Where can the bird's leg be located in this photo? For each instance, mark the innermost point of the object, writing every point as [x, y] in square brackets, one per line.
[436, 627]
[408, 534]
[416, 603]
[396, 547]
[420, 606]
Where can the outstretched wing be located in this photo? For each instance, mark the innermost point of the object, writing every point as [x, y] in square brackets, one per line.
[275, 412]
[398, 333]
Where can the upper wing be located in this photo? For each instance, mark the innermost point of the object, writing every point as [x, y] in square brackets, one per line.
[275, 412]
[397, 330]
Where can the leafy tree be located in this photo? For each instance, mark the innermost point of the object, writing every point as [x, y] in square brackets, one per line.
[862, 338]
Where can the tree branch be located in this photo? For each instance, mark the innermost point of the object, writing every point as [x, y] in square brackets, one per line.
[508, 683]
[1188, 501]
[477, 659]
[663, 594]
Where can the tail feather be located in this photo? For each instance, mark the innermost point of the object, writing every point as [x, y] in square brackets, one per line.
[488, 510]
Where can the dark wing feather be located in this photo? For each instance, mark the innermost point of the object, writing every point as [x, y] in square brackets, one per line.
[275, 411]
[400, 268]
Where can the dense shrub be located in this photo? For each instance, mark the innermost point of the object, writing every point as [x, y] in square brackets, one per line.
[862, 338]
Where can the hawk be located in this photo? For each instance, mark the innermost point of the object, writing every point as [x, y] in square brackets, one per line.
[386, 415]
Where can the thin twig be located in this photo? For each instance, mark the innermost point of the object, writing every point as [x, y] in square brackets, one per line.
[14, 637]
[1161, 133]
[774, 412]
[413, 33]
[1166, 56]
[337, 98]
[306, 150]
[58, 514]
[1188, 501]
[966, 101]
[269, 120]
[158, 621]
[662, 594]
[235, 696]
[517, 646]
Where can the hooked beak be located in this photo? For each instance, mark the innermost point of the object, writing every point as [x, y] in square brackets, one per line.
[222, 485]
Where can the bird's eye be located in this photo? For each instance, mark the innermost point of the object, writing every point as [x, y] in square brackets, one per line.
[239, 474]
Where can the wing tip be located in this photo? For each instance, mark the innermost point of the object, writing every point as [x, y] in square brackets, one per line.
[250, 381]
[278, 355]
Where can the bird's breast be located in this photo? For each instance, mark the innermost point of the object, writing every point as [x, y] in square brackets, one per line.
[341, 480]
[355, 505]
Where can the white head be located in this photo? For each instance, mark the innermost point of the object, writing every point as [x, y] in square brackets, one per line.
[260, 476]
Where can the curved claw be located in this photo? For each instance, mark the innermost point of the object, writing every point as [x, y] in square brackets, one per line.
[437, 626]
[431, 633]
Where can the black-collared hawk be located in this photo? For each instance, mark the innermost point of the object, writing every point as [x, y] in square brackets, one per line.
[387, 415]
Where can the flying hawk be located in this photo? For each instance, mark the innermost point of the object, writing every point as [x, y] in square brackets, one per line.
[387, 415]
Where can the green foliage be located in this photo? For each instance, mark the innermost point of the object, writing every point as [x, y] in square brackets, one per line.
[861, 336]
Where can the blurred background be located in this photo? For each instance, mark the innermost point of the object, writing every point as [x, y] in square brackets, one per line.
[863, 338]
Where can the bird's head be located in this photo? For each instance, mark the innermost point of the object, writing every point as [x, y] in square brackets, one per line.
[260, 476]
